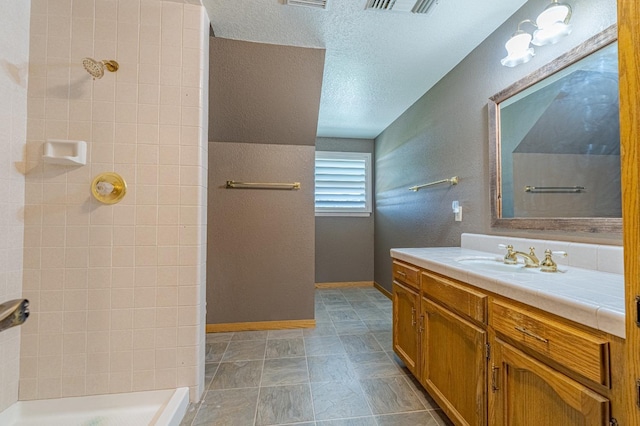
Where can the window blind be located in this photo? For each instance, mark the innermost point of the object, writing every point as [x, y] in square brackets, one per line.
[342, 182]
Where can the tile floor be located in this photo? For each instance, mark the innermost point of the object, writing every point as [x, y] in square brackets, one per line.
[342, 373]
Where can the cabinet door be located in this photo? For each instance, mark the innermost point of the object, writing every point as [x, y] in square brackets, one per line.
[405, 325]
[526, 392]
[454, 364]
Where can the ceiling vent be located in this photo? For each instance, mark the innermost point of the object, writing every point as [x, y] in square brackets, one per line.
[316, 4]
[413, 6]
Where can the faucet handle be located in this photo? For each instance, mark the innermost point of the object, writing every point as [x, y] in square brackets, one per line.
[510, 257]
[548, 265]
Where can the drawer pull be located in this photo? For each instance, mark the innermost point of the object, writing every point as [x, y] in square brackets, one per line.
[494, 378]
[531, 334]
[401, 273]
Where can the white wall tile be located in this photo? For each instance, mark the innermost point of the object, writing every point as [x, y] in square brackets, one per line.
[115, 297]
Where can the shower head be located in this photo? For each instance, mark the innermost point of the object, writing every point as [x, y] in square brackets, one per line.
[96, 68]
[14, 312]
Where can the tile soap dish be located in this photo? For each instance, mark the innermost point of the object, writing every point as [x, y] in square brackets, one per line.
[65, 153]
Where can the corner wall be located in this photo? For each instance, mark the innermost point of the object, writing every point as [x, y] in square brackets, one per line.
[116, 290]
[264, 102]
[445, 134]
[14, 68]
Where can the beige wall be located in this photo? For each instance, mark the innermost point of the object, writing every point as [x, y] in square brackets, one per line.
[116, 290]
[14, 56]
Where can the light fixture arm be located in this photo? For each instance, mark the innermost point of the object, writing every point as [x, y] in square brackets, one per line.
[567, 5]
[525, 21]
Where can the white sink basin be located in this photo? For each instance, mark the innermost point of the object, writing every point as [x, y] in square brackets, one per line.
[495, 264]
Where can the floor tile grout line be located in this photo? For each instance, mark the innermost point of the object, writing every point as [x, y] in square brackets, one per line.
[306, 360]
[377, 304]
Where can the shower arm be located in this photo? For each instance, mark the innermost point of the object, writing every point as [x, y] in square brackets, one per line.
[13, 312]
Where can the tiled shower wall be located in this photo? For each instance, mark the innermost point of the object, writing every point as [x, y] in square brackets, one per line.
[117, 291]
[14, 57]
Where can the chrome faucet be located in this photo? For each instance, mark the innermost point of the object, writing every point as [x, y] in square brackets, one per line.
[14, 312]
[530, 259]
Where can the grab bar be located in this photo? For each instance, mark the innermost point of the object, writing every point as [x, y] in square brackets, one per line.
[554, 189]
[231, 184]
[453, 181]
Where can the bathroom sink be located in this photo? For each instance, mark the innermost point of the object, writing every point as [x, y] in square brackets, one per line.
[494, 264]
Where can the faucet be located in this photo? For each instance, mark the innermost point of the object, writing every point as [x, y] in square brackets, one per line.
[548, 265]
[14, 312]
[530, 259]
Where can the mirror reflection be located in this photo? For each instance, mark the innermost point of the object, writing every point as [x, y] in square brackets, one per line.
[557, 142]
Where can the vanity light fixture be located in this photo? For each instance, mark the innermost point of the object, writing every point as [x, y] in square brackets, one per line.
[551, 25]
[518, 47]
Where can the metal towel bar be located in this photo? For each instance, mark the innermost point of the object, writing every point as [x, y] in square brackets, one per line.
[232, 184]
[453, 181]
[554, 189]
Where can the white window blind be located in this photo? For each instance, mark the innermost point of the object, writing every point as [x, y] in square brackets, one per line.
[343, 183]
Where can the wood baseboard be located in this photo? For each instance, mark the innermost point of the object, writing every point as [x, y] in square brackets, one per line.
[260, 325]
[345, 284]
[382, 290]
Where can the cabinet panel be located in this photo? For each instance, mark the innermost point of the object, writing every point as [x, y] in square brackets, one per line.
[569, 346]
[406, 274]
[526, 392]
[464, 300]
[405, 325]
[454, 364]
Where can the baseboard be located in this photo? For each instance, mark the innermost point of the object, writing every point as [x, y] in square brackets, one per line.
[260, 325]
[345, 284]
[382, 290]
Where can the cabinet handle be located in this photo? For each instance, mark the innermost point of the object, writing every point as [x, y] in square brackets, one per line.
[531, 334]
[494, 378]
[401, 273]
[413, 317]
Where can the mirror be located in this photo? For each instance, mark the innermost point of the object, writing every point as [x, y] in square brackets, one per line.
[555, 144]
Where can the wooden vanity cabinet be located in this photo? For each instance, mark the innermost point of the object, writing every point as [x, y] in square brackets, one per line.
[526, 392]
[527, 386]
[406, 309]
[453, 348]
[489, 360]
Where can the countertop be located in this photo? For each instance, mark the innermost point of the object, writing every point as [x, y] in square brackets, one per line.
[592, 298]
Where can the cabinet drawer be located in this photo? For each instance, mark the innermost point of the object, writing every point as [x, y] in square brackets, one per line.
[569, 346]
[462, 299]
[406, 274]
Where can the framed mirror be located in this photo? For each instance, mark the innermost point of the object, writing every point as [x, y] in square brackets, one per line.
[554, 140]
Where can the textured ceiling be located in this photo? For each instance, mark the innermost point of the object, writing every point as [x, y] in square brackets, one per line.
[377, 63]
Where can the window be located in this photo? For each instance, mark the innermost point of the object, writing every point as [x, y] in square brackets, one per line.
[343, 183]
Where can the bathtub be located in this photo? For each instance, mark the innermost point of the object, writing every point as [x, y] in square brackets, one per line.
[158, 408]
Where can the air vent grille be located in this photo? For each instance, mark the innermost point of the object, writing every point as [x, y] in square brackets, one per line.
[316, 4]
[413, 6]
[424, 6]
[380, 4]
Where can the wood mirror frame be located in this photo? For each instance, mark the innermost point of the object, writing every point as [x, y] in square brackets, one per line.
[584, 224]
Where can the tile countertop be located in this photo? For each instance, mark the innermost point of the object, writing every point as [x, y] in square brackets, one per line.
[592, 298]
